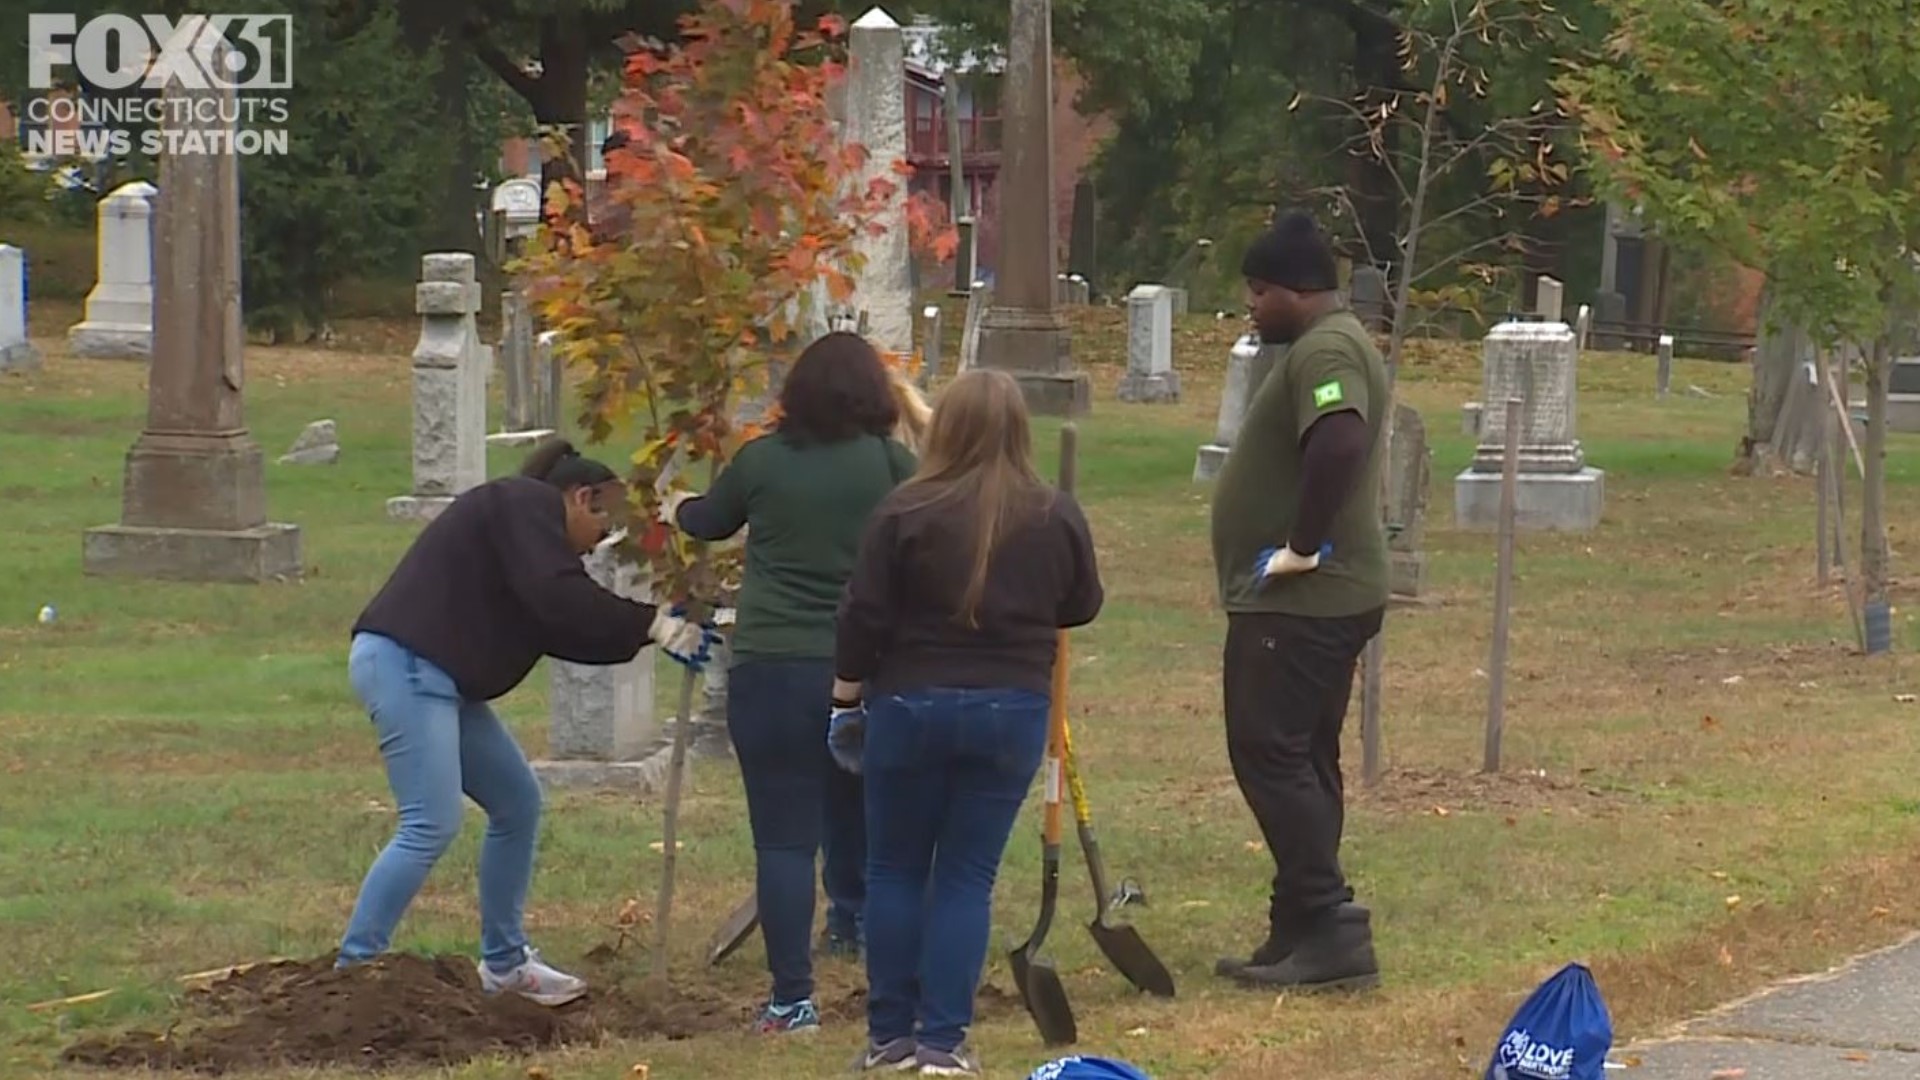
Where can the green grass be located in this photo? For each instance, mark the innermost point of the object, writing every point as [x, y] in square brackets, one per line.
[186, 781]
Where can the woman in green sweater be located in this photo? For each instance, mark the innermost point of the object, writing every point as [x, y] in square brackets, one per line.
[804, 493]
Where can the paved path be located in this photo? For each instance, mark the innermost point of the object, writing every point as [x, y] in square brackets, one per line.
[1861, 1022]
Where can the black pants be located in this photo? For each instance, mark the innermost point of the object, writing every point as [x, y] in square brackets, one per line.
[1287, 681]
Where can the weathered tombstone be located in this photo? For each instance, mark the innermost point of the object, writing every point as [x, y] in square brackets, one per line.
[1367, 296]
[1150, 376]
[1409, 484]
[1536, 363]
[1079, 290]
[1903, 395]
[979, 301]
[1582, 326]
[1470, 419]
[966, 256]
[1023, 333]
[933, 340]
[602, 730]
[16, 351]
[1663, 373]
[119, 316]
[1082, 236]
[449, 389]
[317, 444]
[1182, 300]
[877, 120]
[194, 504]
[1610, 309]
[1549, 299]
[1247, 367]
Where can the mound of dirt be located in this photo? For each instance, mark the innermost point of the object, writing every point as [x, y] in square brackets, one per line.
[398, 1011]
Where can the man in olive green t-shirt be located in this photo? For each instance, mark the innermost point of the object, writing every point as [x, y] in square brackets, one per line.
[1302, 559]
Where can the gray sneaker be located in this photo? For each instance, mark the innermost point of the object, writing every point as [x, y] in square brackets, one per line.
[894, 1055]
[535, 981]
[959, 1061]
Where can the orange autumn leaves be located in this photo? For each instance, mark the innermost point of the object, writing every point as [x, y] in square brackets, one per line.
[731, 200]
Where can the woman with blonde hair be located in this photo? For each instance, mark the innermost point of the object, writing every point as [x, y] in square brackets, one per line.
[946, 638]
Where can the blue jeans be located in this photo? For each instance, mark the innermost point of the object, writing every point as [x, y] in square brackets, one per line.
[437, 746]
[798, 802]
[946, 772]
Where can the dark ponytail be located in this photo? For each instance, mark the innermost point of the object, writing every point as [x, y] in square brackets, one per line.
[559, 464]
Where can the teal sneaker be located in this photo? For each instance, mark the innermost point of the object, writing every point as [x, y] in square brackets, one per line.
[799, 1018]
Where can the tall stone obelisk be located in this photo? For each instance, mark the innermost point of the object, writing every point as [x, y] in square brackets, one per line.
[1024, 332]
[194, 503]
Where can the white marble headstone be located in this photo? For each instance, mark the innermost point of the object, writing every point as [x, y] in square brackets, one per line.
[119, 318]
[16, 352]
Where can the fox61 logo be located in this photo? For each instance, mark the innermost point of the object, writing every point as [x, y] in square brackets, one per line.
[197, 52]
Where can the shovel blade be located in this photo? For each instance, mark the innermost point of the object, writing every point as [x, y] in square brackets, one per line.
[1127, 951]
[1045, 998]
[734, 932]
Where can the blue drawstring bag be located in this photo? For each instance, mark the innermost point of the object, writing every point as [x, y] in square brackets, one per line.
[1080, 1067]
[1562, 1032]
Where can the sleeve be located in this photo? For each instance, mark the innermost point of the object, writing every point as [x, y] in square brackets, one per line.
[574, 618]
[722, 511]
[1327, 381]
[901, 461]
[863, 626]
[1083, 597]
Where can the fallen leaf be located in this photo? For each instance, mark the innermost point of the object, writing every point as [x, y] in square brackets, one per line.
[1255, 845]
[1708, 723]
[1733, 680]
[1188, 905]
[538, 1072]
[1441, 811]
[629, 912]
[641, 1072]
[1733, 902]
[661, 846]
[1727, 1074]
[1855, 1055]
[1882, 912]
[1137, 1032]
[1726, 956]
[1718, 875]
[1632, 1061]
[1905, 699]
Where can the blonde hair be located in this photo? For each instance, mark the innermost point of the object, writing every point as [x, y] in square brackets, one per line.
[915, 413]
[978, 451]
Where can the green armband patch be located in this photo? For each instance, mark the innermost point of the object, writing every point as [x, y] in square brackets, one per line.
[1327, 393]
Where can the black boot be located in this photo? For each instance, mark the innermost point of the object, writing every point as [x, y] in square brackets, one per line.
[1282, 938]
[1334, 952]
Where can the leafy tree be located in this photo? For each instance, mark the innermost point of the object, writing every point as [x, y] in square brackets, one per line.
[1784, 133]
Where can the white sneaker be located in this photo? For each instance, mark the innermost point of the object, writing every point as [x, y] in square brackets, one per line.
[535, 981]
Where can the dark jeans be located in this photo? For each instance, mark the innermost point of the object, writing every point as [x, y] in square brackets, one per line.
[1287, 681]
[946, 772]
[798, 802]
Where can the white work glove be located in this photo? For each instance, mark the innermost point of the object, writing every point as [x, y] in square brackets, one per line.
[687, 644]
[1283, 561]
[669, 512]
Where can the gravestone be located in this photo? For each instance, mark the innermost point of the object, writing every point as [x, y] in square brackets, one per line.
[1470, 419]
[602, 732]
[1609, 309]
[933, 342]
[1182, 300]
[1247, 367]
[119, 314]
[1549, 299]
[979, 301]
[317, 444]
[194, 503]
[1663, 366]
[1536, 363]
[1081, 290]
[1903, 395]
[1582, 326]
[1367, 296]
[1409, 486]
[1082, 235]
[1023, 333]
[877, 119]
[1150, 376]
[16, 352]
[449, 389]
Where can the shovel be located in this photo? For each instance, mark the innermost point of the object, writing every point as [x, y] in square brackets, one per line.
[1040, 987]
[735, 931]
[1039, 984]
[1121, 943]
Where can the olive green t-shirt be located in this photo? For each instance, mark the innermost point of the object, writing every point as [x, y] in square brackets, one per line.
[1334, 366]
[804, 507]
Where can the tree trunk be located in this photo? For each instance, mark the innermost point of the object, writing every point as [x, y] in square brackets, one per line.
[1783, 406]
[1873, 496]
[560, 98]
[429, 30]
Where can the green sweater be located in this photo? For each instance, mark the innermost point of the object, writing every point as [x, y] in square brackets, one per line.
[804, 507]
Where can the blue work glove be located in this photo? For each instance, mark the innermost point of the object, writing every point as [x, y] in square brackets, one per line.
[689, 645]
[1283, 560]
[847, 736]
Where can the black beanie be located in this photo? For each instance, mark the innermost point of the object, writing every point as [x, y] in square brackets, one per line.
[1293, 254]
